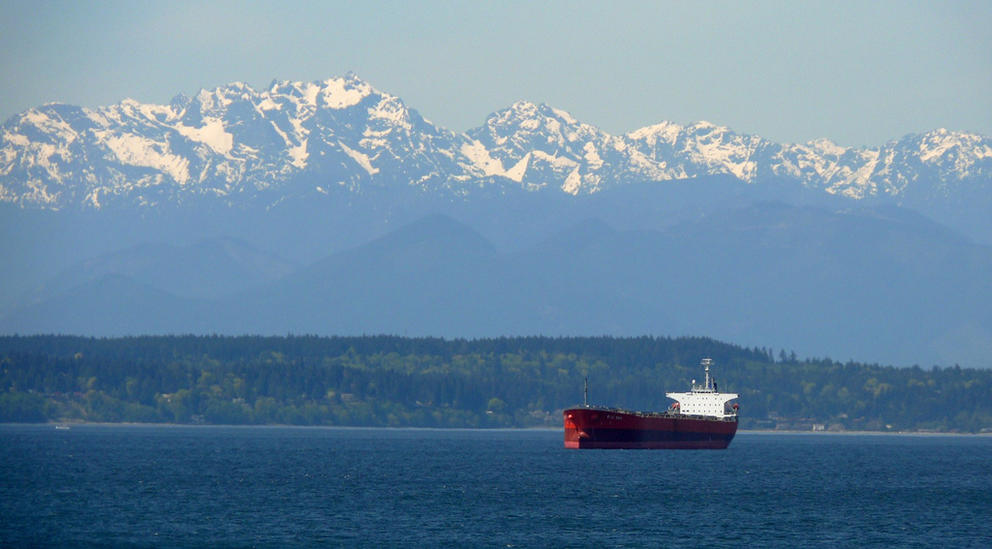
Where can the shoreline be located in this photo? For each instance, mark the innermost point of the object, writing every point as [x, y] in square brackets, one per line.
[843, 433]
[758, 432]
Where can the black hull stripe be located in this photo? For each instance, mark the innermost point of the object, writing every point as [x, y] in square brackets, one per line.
[638, 435]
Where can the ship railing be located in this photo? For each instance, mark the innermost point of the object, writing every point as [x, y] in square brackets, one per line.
[666, 413]
[701, 416]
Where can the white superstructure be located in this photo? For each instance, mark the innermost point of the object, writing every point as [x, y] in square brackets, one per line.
[704, 400]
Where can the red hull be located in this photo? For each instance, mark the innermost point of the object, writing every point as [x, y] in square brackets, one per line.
[606, 428]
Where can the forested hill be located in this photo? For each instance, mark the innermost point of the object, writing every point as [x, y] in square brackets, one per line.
[427, 382]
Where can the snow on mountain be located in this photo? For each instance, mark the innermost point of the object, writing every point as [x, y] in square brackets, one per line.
[699, 149]
[225, 142]
[540, 146]
[236, 143]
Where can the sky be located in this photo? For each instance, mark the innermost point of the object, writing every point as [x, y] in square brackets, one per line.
[857, 73]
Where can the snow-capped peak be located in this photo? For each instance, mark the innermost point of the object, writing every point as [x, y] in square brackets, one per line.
[347, 91]
[666, 132]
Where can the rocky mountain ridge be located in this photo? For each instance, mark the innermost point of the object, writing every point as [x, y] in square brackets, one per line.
[241, 145]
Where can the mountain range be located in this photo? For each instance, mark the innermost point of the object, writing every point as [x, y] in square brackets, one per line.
[331, 207]
[910, 292]
[238, 144]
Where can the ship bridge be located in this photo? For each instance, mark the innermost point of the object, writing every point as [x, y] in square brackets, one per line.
[705, 400]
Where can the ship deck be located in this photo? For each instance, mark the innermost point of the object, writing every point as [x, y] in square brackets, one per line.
[650, 415]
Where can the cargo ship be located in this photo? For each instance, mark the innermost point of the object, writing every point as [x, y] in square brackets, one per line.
[702, 418]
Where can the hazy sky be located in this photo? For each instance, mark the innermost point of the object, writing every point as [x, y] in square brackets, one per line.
[859, 73]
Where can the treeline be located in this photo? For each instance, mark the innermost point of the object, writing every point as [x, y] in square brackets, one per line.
[431, 382]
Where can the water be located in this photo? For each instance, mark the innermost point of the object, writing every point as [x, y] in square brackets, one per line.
[273, 487]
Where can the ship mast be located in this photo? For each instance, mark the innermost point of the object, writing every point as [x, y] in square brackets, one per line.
[706, 363]
[585, 393]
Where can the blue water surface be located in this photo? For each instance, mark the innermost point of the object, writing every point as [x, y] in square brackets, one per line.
[279, 486]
